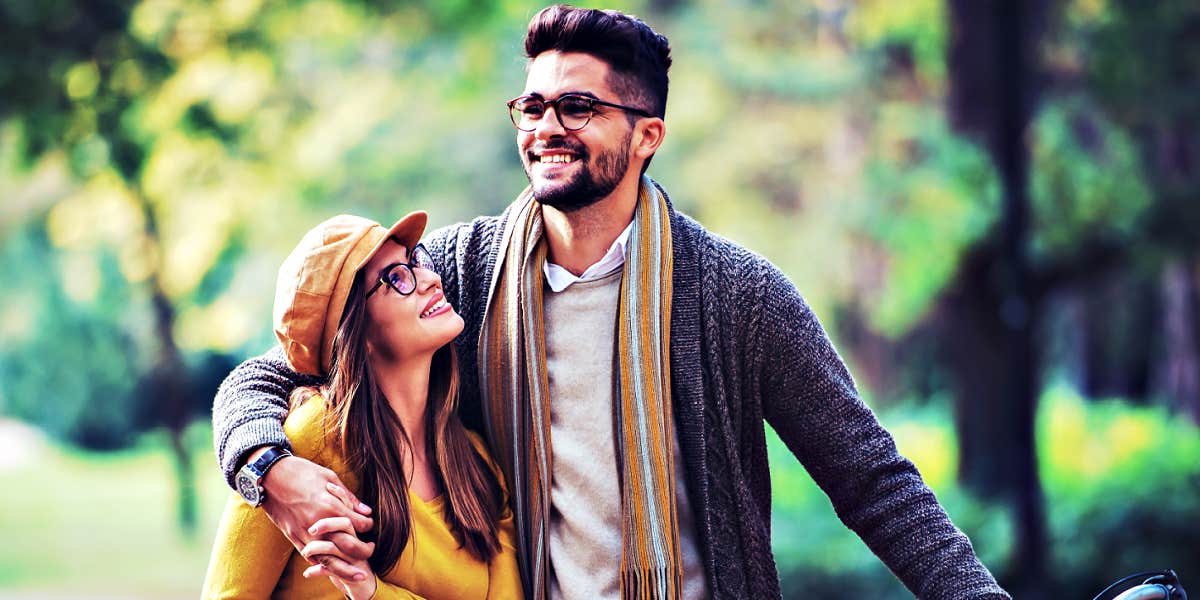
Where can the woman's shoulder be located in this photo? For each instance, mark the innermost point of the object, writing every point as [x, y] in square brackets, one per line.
[309, 427]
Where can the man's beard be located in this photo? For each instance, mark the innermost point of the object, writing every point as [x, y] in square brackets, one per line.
[585, 188]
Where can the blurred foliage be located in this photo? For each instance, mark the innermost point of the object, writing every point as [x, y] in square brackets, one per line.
[921, 170]
[176, 149]
[232, 126]
[74, 373]
[1122, 487]
[1086, 180]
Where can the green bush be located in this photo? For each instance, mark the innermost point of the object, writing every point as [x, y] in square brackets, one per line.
[1123, 490]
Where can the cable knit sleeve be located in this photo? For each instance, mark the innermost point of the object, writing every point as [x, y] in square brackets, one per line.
[810, 400]
[250, 407]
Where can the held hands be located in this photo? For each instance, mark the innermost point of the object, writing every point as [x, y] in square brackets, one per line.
[329, 559]
[299, 494]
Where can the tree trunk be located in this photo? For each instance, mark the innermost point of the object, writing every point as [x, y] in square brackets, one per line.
[1119, 309]
[989, 352]
[992, 307]
[1181, 360]
[170, 378]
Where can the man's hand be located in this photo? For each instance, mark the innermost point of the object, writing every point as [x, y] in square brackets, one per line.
[299, 493]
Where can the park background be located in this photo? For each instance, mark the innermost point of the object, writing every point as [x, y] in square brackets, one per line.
[991, 205]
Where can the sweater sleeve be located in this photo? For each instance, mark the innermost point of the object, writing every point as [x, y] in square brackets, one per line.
[248, 557]
[250, 407]
[810, 400]
[250, 554]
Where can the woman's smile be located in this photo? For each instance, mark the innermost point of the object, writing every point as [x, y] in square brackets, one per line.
[437, 306]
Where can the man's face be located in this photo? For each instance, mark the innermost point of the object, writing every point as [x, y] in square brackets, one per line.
[569, 170]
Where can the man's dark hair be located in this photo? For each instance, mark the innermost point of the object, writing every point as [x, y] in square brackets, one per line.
[639, 57]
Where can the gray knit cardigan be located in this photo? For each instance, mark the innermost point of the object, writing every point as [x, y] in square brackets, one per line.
[744, 347]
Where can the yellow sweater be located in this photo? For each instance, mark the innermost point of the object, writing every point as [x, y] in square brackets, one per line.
[251, 558]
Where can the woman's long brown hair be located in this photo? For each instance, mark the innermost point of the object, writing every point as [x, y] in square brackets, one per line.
[374, 442]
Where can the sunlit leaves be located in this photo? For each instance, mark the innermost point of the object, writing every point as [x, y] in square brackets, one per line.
[82, 80]
[936, 194]
[1086, 181]
[224, 325]
[102, 212]
[811, 132]
[1086, 13]
[919, 26]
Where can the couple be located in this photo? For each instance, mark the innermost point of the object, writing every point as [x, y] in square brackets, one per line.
[618, 359]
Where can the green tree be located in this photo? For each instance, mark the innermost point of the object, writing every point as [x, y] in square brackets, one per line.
[188, 144]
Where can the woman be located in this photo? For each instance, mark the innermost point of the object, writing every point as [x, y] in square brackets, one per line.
[361, 305]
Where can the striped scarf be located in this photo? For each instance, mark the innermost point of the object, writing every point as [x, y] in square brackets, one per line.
[515, 384]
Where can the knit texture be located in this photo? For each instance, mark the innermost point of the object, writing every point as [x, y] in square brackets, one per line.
[745, 348]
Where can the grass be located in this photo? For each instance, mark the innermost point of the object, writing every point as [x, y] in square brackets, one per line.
[83, 524]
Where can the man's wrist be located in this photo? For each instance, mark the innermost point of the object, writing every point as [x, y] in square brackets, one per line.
[256, 453]
[252, 456]
[251, 477]
[267, 479]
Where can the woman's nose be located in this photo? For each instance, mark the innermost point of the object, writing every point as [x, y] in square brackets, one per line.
[427, 279]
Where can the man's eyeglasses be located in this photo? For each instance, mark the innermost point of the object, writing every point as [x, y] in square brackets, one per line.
[400, 276]
[574, 111]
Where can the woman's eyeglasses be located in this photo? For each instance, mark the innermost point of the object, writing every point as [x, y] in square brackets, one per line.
[400, 276]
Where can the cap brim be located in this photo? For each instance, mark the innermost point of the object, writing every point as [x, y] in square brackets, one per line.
[406, 232]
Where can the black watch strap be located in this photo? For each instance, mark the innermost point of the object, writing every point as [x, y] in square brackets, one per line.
[268, 460]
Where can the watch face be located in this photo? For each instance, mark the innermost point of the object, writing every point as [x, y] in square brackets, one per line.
[247, 489]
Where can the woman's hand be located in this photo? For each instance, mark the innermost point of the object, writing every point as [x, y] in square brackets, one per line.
[329, 559]
[299, 492]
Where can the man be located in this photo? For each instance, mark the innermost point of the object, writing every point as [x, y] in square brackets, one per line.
[621, 360]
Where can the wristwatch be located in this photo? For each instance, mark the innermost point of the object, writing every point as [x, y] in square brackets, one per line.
[249, 478]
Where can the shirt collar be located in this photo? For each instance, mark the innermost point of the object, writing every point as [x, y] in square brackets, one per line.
[559, 278]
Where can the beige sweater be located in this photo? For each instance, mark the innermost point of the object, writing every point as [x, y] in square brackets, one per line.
[585, 518]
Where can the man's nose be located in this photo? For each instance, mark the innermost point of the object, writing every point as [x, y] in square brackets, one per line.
[549, 126]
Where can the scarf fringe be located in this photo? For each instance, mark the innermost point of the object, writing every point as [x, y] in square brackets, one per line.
[651, 583]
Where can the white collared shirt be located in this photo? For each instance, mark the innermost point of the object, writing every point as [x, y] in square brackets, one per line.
[559, 278]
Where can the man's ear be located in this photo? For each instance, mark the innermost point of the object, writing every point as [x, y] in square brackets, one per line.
[648, 136]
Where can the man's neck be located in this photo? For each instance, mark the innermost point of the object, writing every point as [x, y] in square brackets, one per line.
[580, 238]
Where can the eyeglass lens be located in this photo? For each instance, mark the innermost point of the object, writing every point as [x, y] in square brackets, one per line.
[401, 276]
[573, 112]
[421, 258]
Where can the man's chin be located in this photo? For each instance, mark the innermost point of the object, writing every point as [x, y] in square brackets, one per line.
[567, 194]
[561, 197]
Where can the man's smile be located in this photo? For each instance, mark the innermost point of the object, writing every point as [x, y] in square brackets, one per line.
[554, 156]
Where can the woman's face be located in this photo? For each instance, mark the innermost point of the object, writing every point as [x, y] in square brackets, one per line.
[400, 326]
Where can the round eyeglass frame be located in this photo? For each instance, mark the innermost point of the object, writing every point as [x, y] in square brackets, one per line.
[419, 258]
[518, 115]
